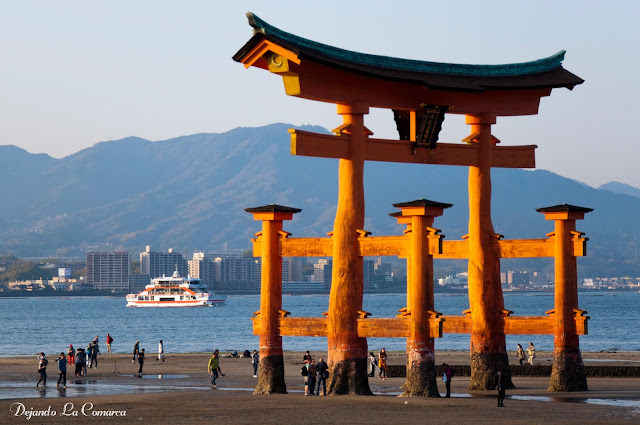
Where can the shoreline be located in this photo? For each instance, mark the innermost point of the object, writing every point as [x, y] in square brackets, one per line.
[542, 355]
[46, 293]
[179, 391]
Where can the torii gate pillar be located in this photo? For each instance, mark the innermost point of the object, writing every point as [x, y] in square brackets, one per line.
[271, 376]
[568, 373]
[421, 368]
[488, 346]
[348, 352]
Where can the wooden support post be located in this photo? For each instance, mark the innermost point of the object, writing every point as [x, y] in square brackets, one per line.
[406, 221]
[421, 368]
[348, 351]
[488, 344]
[271, 373]
[568, 373]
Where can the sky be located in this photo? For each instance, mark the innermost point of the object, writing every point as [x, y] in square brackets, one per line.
[75, 73]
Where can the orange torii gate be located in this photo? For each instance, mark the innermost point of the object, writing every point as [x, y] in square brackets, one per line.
[419, 93]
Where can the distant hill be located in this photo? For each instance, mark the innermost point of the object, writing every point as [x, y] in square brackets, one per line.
[189, 193]
[622, 188]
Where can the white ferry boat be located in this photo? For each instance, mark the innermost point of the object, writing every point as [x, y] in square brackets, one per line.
[175, 291]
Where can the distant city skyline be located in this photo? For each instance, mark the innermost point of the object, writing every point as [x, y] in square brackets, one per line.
[76, 73]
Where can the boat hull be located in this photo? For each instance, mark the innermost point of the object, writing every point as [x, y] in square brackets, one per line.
[210, 302]
[168, 304]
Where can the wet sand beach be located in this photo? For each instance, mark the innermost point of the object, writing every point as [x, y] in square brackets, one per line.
[179, 391]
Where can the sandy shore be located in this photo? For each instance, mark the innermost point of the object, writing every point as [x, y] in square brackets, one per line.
[178, 391]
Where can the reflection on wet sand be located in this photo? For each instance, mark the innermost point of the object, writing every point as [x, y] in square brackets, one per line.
[19, 390]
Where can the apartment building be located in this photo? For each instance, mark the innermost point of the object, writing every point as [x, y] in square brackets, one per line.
[109, 271]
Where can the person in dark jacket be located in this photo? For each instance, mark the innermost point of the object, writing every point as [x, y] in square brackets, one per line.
[95, 350]
[141, 360]
[79, 361]
[42, 369]
[62, 370]
[322, 375]
[312, 374]
[501, 382]
[446, 377]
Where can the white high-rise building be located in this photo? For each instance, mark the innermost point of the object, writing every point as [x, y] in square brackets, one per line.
[204, 267]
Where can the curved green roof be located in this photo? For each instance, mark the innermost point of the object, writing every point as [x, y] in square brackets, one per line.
[407, 65]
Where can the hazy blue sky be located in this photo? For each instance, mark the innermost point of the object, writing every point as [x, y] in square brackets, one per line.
[74, 73]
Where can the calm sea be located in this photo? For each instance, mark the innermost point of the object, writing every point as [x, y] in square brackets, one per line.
[30, 325]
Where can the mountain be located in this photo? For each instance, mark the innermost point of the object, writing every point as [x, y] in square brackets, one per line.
[622, 188]
[189, 193]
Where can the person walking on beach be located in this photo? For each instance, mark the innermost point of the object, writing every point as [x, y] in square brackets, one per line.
[382, 365]
[72, 355]
[160, 351]
[501, 385]
[323, 374]
[42, 369]
[446, 377]
[255, 359]
[140, 361]
[136, 350]
[109, 341]
[371, 365]
[520, 354]
[62, 369]
[214, 368]
[531, 352]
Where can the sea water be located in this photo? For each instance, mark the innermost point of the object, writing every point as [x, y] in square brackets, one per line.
[50, 324]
